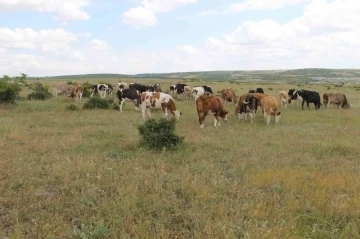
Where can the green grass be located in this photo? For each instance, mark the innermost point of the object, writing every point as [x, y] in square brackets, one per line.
[82, 174]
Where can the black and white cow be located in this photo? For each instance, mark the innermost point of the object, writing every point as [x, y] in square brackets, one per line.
[139, 87]
[99, 89]
[129, 95]
[109, 90]
[249, 106]
[207, 89]
[294, 95]
[172, 90]
[308, 97]
[179, 88]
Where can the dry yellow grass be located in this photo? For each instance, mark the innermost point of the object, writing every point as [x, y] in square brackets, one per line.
[65, 173]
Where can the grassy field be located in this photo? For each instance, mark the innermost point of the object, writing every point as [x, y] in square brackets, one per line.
[82, 174]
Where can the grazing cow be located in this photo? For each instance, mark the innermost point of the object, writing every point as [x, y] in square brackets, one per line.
[326, 99]
[129, 95]
[338, 99]
[63, 89]
[284, 98]
[99, 89]
[207, 89]
[139, 87]
[172, 90]
[77, 93]
[249, 106]
[158, 100]
[228, 95]
[294, 95]
[210, 104]
[309, 97]
[270, 106]
[258, 90]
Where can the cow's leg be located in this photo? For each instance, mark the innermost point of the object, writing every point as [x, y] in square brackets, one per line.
[267, 115]
[121, 105]
[148, 112]
[92, 93]
[202, 116]
[251, 116]
[143, 110]
[302, 104]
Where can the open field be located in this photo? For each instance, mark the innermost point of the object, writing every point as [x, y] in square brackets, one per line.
[65, 174]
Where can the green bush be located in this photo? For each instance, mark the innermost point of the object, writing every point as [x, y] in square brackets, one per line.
[8, 92]
[159, 134]
[86, 89]
[96, 103]
[39, 92]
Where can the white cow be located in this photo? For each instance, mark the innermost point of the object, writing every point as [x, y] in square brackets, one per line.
[158, 100]
[197, 92]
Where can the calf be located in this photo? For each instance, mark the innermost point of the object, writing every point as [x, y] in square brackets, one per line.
[179, 88]
[210, 104]
[77, 93]
[99, 89]
[187, 92]
[228, 95]
[158, 100]
[129, 95]
[284, 98]
[338, 99]
[270, 106]
[157, 88]
[310, 97]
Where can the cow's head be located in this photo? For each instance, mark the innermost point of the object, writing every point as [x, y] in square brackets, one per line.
[223, 114]
[177, 114]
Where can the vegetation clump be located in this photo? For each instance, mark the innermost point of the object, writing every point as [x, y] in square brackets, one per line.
[8, 92]
[159, 134]
[72, 107]
[96, 103]
[39, 92]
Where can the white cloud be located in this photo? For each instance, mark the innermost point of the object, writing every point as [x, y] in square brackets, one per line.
[207, 13]
[27, 38]
[98, 45]
[66, 9]
[139, 16]
[261, 5]
[145, 14]
[190, 50]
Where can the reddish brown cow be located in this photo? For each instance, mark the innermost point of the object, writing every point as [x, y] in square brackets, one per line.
[210, 103]
[77, 93]
[270, 106]
[228, 95]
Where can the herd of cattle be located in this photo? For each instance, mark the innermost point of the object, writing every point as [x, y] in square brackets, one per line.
[146, 97]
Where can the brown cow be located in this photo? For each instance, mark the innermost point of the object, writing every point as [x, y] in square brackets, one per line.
[270, 106]
[228, 95]
[210, 103]
[338, 99]
[77, 93]
[325, 99]
[284, 98]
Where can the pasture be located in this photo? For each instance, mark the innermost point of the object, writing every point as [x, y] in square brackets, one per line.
[82, 174]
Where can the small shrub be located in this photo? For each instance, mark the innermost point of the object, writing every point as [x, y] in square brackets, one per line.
[72, 107]
[8, 92]
[96, 103]
[159, 134]
[39, 92]
[86, 89]
[90, 231]
[71, 83]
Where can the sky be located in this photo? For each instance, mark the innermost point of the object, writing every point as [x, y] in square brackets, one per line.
[63, 37]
